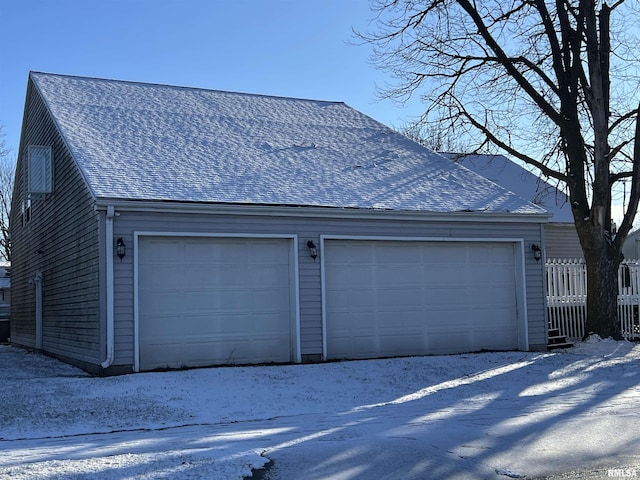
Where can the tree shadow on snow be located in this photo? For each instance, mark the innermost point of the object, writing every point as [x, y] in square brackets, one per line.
[542, 414]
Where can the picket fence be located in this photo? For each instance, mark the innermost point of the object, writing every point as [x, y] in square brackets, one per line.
[567, 297]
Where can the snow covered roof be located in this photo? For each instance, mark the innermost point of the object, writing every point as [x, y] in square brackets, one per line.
[510, 175]
[156, 142]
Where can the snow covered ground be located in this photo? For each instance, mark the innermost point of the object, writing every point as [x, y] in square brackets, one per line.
[486, 415]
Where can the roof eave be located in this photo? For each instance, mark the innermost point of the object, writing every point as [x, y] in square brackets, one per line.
[316, 212]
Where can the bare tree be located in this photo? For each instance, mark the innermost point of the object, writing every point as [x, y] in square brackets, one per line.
[550, 83]
[435, 137]
[7, 167]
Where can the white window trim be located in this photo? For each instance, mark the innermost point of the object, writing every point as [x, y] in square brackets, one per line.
[45, 167]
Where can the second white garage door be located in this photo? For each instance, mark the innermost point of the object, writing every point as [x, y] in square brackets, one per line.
[207, 301]
[388, 298]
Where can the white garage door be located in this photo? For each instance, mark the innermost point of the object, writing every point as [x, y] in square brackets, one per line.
[207, 301]
[387, 298]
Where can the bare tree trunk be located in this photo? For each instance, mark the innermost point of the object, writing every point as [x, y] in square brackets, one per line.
[602, 296]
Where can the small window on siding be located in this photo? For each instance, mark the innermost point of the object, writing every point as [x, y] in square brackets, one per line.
[25, 210]
[39, 170]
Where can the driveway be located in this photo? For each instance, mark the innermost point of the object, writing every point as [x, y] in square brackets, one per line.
[487, 415]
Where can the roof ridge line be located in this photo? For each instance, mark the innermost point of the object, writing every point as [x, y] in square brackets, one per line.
[181, 87]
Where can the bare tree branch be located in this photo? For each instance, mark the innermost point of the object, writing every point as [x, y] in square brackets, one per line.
[546, 82]
[7, 167]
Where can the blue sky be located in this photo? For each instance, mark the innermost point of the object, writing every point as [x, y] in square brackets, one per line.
[296, 48]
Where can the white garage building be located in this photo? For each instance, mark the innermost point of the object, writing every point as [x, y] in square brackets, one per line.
[181, 227]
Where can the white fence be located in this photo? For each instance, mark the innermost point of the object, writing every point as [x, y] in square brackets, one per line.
[567, 297]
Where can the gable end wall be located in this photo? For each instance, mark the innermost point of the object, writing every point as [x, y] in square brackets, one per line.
[61, 241]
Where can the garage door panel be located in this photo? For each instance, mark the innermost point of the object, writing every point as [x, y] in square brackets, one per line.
[492, 318]
[164, 252]
[235, 275]
[444, 275]
[271, 299]
[196, 276]
[399, 297]
[222, 252]
[269, 273]
[234, 300]
[197, 251]
[226, 300]
[160, 277]
[222, 327]
[161, 303]
[401, 274]
[407, 319]
[356, 298]
[419, 297]
[441, 254]
[215, 275]
[500, 294]
[268, 252]
[354, 255]
[347, 322]
[497, 274]
[439, 296]
[349, 275]
[240, 352]
[217, 302]
[394, 254]
[171, 324]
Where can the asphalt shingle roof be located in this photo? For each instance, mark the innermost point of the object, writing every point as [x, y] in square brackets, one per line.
[517, 179]
[157, 142]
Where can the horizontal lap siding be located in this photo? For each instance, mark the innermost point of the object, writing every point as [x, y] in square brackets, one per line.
[309, 270]
[561, 241]
[62, 242]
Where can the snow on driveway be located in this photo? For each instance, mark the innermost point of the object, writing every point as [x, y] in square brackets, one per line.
[485, 415]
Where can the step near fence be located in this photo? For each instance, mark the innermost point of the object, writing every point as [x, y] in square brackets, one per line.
[567, 297]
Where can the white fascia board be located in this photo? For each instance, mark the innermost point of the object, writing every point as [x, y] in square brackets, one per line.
[320, 212]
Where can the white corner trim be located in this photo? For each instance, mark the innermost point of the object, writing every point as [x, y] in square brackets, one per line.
[521, 295]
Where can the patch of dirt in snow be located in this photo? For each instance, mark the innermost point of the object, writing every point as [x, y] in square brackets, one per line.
[604, 347]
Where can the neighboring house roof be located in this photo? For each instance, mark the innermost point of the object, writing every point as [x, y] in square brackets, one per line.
[513, 177]
[140, 141]
[631, 246]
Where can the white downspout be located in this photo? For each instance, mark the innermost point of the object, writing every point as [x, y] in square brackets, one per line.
[111, 213]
